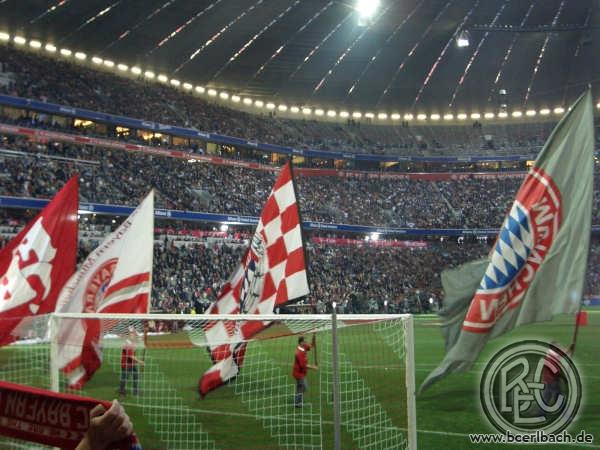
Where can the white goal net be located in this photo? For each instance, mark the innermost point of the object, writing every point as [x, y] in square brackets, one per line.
[360, 396]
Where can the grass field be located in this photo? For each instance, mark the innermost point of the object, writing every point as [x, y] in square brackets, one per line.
[257, 411]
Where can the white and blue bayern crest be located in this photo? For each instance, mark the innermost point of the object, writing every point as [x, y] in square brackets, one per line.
[512, 249]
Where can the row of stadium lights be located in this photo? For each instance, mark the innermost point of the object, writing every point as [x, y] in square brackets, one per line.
[223, 95]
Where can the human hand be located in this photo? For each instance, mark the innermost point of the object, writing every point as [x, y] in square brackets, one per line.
[106, 427]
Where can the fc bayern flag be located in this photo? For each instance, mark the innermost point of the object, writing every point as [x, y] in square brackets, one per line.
[35, 265]
[272, 272]
[537, 267]
[114, 278]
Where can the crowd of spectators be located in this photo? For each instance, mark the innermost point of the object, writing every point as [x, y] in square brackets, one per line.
[118, 177]
[50, 79]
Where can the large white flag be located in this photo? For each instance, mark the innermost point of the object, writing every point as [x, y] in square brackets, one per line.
[114, 278]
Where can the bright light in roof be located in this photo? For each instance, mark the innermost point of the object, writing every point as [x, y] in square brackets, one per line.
[65, 52]
[295, 109]
[489, 115]
[4, 36]
[200, 89]
[224, 95]
[544, 111]
[344, 114]
[306, 111]
[448, 116]
[370, 115]
[96, 60]
[136, 70]
[270, 105]
[331, 113]
[149, 74]
[50, 48]
[475, 116]
[517, 113]
[461, 116]
[319, 112]
[503, 114]
[175, 82]
[80, 56]
[396, 116]
[187, 86]
[123, 67]
[282, 107]
[559, 110]
[35, 44]
[247, 101]
[235, 98]
[408, 117]
[19, 40]
[357, 114]
[109, 63]
[212, 92]
[531, 113]
[162, 78]
[382, 116]
[259, 103]
[421, 116]
[435, 117]
[367, 8]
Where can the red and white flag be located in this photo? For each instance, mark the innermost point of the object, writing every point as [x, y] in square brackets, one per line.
[272, 272]
[35, 265]
[114, 278]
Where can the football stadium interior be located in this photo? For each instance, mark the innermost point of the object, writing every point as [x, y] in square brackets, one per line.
[299, 224]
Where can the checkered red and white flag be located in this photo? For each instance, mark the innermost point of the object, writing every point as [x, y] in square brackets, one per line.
[272, 272]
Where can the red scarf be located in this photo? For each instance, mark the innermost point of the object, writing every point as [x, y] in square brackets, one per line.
[50, 418]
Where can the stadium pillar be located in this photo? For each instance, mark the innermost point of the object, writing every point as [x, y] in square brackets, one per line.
[337, 423]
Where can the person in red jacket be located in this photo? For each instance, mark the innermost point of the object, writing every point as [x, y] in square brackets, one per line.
[300, 370]
[129, 363]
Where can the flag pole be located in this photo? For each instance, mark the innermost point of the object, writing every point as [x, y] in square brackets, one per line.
[577, 325]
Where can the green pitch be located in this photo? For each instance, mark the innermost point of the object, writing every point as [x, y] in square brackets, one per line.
[255, 414]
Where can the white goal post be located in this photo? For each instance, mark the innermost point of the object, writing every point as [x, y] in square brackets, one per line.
[361, 396]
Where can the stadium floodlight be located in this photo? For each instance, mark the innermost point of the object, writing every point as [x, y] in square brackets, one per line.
[475, 116]
[282, 108]
[35, 44]
[408, 117]
[435, 117]
[66, 52]
[421, 116]
[175, 82]
[517, 114]
[331, 113]
[162, 77]
[306, 111]
[462, 40]
[366, 9]
[396, 116]
[489, 115]
[247, 101]
[212, 92]
[123, 67]
[356, 114]
[258, 103]
[80, 56]
[188, 86]
[559, 110]
[200, 89]
[503, 114]
[235, 98]
[98, 60]
[295, 109]
[544, 111]
[531, 112]
[136, 70]
[224, 95]
[382, 116]
[50, 48]
[448, 116]
[270, 105]
[369, 115]
[4, 36]
[319, 112]
[20, 40]
[598, 105]
[344, 114]
[108, 63]
[149, 74]
[461, 116]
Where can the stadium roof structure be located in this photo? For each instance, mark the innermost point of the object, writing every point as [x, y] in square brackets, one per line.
[400, 56]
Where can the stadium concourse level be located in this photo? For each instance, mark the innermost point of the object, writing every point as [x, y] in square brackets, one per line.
[32, 75]
[30, 169]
